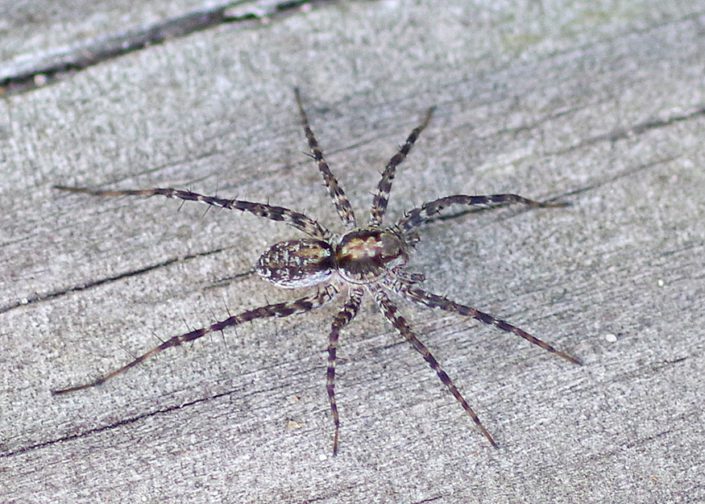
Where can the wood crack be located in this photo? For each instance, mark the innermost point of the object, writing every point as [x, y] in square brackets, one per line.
[111, 426]
[120, 276]
[637, 129]
[48, 69]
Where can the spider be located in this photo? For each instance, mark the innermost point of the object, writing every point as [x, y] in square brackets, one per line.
[367, 258]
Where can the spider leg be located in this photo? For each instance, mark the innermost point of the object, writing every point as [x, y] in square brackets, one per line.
[341, 202]
[418, 216]
[390, 311]
[422, 297]
[381, 197]
[275, 213]
[343, 318]
[300, 305]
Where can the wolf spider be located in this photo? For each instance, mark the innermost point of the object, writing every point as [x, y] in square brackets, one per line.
[369, 258]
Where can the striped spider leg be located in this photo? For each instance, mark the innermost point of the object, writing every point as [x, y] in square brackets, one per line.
[343, 318]
[340, 201]
[390, 312]
[397, 283]
[301, 305]
[368, 259]
[275, 213]
[424, 298]
[384, 187]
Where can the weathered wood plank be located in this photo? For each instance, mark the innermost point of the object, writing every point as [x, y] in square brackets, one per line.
[598, 104]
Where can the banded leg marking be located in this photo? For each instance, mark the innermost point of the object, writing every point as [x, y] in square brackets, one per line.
[340, 200]
[422, 297]
[301, 305]
[418, 216]
[384, 188]
[275, 213]
[343, 318]
[390, 311]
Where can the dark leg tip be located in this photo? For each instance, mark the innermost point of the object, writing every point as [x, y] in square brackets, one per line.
[570, 358]
[56, 392]
[335, 443]
[556, 204]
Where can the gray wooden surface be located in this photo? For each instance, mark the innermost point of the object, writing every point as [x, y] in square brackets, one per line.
[599, 103]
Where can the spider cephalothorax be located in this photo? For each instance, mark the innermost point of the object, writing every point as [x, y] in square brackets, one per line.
[368, 254]
[368, 259]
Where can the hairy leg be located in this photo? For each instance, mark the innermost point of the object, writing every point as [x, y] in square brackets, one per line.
[420, 296]
[341, 202]
[418, 216]
[301, 305]
[275, 213]
[381, 197]
[343, 318]
[390, 311]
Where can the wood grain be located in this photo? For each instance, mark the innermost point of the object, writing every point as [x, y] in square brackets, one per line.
[601, 104]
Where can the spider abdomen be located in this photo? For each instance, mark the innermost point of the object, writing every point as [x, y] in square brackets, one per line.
[363, 255]
[297, 263]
